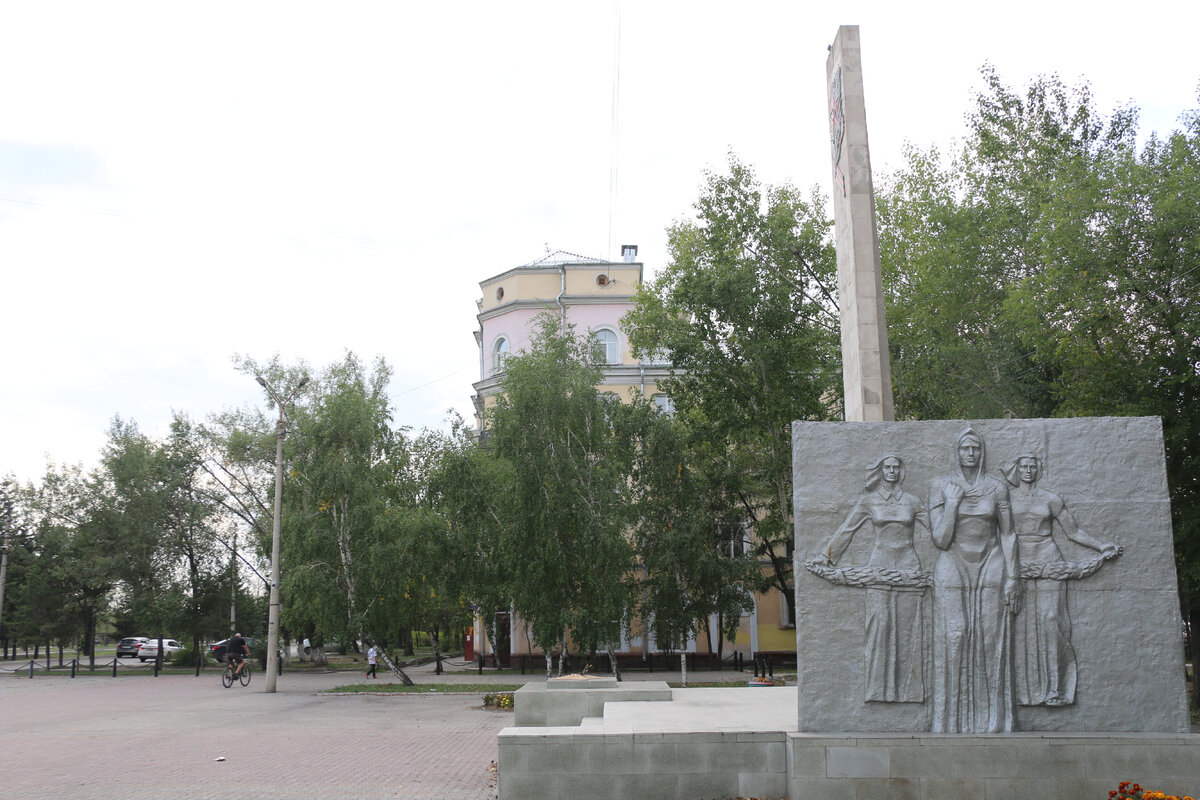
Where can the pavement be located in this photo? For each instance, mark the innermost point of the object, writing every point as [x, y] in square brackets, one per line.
[95, 737]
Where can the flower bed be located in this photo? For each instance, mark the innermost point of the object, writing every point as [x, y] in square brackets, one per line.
[501, 701]
[1127, 790]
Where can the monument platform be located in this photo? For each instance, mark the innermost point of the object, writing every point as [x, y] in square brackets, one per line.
[745, 742]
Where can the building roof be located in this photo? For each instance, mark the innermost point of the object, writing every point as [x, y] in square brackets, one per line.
[560, 257]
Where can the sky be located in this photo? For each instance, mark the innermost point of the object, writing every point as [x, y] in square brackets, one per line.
[183, 182]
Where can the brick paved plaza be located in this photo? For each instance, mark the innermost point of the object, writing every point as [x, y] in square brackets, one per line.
[139, 736]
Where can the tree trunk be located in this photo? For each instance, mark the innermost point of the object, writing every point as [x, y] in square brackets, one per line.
[406, 638]
[387, 662]
[317, 655]
[683, 666]
[612, 662]
[549, 665]
[90, 643]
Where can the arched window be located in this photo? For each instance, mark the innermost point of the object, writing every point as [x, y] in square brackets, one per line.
[499, 353]
[604, 346]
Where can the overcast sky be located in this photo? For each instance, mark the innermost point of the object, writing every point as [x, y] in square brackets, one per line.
[183, 181]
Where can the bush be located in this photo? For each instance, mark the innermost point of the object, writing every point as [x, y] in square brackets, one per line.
[258, 651]
[183, 658]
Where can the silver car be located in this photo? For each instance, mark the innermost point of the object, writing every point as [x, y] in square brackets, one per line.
[149, 650]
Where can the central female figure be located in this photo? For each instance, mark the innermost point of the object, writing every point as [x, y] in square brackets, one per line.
[976, 590]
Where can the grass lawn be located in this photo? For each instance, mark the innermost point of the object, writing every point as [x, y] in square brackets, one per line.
[426, 688]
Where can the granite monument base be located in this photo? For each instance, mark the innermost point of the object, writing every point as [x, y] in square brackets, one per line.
[709, 744]
[1063, 766]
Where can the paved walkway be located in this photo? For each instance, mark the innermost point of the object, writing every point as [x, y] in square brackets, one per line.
[137, 736]
[97, 737]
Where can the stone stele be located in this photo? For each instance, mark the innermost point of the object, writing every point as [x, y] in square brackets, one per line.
[895, 634]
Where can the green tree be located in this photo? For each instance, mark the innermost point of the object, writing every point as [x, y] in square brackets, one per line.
[565, 548]
[351, 509]
[746, 314]
[471, 490]
[1050, 268]
[75, 551]
[691, 550]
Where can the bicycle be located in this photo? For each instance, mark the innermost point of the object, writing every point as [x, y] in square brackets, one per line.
[228, 676]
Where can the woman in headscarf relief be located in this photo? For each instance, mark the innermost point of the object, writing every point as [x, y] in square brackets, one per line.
[1045, 659]
[976, 591]
[893, 652]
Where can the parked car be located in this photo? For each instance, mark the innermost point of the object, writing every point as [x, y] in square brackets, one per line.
[129, 646]
[149, 650]
[217, 650]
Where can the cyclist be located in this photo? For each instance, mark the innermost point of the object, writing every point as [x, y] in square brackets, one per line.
[235, 651]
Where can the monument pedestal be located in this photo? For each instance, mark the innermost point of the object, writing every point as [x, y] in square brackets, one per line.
[1064, 766]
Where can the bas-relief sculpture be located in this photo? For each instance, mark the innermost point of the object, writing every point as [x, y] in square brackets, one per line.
[893, 579]
[1000, 632]
[976, 591]
[1044, 658]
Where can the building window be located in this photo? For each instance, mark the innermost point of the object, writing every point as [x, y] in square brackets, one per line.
[734, 538]
[500, 293]
[499, 353]
[785, 615]
[604, 346]
[664, 404]
[602, 280]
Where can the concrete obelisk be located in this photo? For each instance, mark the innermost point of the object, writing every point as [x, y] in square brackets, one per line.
[866, 368]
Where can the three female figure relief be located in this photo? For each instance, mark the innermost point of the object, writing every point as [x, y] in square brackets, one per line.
[1000, 631]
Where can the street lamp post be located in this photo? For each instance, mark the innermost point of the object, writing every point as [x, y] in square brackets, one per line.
[273, 608]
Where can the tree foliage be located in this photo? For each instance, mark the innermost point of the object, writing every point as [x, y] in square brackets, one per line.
[1050, 268]
[566, 543]
[745, 311]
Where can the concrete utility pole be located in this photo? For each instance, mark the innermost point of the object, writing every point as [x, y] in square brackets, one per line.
[273, 608]
[866, 365]
[3, 572]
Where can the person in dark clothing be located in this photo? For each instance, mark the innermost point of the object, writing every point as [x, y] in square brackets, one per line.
[236, 651]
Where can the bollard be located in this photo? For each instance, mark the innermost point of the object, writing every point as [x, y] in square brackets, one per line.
[439, 663]
[31, 669]
[114, 667]
[481, 663]
[279, 666]
[522, 665]
[651, 660]
[74, 661]
[156, 663]
[756, 665]
[199, 658]
[771, 666]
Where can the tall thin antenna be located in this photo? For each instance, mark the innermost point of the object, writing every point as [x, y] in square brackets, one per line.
[614, 145]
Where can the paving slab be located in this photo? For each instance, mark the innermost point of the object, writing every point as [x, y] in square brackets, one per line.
[99, 737]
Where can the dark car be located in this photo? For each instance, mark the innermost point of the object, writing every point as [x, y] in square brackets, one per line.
[128, 647]
[217, 650]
